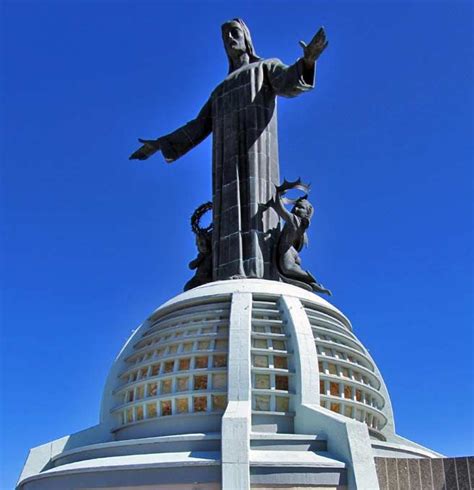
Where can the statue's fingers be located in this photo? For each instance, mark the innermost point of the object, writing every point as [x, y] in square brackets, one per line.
[321, 34]
[146, 142]
[303, 44]
[317, 35]
[141, 152]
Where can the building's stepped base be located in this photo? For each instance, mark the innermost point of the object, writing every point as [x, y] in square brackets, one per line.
[296, 459]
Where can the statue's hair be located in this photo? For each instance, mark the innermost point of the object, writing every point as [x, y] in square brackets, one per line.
[248, 42]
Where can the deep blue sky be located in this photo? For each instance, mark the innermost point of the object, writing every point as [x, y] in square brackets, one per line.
[92, 243]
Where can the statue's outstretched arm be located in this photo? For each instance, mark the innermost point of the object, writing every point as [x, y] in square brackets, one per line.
[178, 142]
[291, 81]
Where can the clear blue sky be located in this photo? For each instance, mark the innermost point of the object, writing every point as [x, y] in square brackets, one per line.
[92, 243]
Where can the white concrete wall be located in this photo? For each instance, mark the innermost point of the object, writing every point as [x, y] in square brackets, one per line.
[236, 422]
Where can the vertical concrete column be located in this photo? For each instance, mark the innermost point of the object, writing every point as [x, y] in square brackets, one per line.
[236, 422]
[305, 355]
[347, 439]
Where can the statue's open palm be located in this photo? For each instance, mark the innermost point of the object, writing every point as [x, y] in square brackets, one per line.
[318, 44]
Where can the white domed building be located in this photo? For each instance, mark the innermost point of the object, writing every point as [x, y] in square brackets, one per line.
[233, 385]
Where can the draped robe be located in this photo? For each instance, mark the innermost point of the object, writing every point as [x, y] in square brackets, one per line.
[241, 114]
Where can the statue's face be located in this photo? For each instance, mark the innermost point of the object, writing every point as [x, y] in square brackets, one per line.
[234, 39]
[303, 209]
[202, 243]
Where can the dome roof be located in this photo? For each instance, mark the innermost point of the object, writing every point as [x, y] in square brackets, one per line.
[171, 376]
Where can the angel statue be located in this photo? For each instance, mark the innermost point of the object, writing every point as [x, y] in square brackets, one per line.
[293, 236]
[203, 262]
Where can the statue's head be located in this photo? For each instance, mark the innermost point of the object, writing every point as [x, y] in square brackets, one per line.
[204, 242]
[237, 40]
[303, 208]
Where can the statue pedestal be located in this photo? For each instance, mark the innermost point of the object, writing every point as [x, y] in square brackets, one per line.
[235, 384]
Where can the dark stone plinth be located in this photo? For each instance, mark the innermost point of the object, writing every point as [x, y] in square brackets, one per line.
[414, 474]
[450, 473]
[462, 473]
[392, 474]
[403, 480]
[381, 467]
[425, 473]
[437, 468]
[470, 466]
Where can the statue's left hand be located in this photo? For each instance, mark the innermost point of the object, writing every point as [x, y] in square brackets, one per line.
[313, 50]
[149, 148]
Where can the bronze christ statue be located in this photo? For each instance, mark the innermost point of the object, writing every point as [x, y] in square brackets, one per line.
[242, 117]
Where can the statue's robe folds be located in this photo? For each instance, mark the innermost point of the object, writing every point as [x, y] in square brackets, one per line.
[241, 114]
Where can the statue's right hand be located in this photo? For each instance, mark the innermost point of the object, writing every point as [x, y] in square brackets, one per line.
[149, 148]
